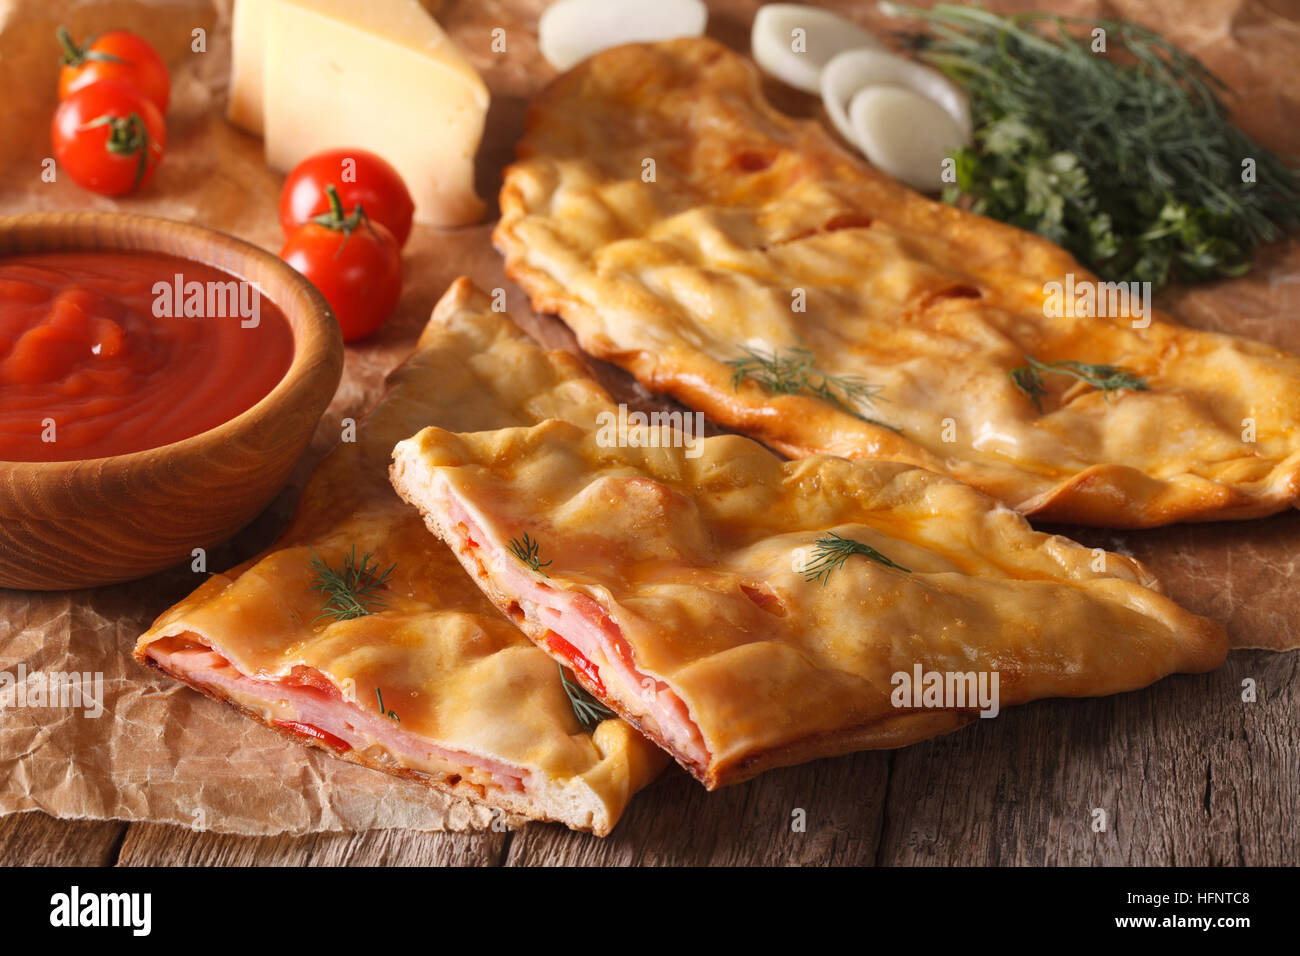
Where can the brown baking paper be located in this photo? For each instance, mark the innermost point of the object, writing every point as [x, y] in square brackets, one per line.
[159, 751]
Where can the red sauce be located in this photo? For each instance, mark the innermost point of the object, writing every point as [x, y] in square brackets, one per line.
[314, 733]
[97, 359]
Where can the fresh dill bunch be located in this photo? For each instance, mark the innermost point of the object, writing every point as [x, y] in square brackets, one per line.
[795, 372]
[349, 592]
[1107, 378]
[527, 551]
[1124, 157]
[589, 711]
[831, 551]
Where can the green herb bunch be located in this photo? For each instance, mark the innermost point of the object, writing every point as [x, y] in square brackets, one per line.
[1126, 158]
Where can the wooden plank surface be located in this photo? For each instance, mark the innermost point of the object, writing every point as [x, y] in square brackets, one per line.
[839, 804]
[1186, 772]
[37, 839]
[150, 844]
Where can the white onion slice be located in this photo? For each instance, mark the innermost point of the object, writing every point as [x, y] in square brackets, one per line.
[853, 70]
[826, 34]
[904, 134]
[569, 31]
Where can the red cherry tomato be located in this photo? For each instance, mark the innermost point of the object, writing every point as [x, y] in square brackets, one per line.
[356, 265]
[108, 137]
[361, 178]
[117, 55]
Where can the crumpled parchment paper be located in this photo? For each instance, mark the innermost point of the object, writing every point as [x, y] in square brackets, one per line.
[138, 746]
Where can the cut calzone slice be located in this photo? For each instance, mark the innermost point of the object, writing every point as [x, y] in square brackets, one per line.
[748, 612]
[743, 263]
[432, 684]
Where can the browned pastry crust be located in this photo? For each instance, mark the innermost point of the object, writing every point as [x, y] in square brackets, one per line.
[899, 730]
[481, 712]
[673, 578]
[674, 277]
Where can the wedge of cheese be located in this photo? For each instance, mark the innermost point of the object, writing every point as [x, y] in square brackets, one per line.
[310, 75]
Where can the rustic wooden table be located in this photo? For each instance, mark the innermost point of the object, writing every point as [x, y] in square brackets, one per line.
[1185, 772]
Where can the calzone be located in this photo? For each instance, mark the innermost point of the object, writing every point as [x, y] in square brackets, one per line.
[434, 683]
[748, 612]
[743, 263]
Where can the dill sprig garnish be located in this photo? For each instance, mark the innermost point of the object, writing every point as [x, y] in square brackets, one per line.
[796, 373]
[831, 551]
[349, 591]
[528, 553]
[1125, 157]
[589, 711]
[391, 715]
[1107, 378]
[1027, 379]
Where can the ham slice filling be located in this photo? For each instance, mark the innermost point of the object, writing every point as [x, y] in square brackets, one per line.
[308, 704]
[587, 639]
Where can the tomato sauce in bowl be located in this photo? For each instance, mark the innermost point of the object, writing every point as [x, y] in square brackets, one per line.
[105, 353]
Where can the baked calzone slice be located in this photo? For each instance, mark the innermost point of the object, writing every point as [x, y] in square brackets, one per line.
[743, 263]
[748, 612]
[434, 684]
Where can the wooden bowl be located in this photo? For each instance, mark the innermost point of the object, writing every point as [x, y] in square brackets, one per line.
[68, 524]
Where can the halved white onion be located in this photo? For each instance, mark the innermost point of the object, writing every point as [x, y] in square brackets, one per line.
[569, 31]
[772, 42]
[905, 134]
[854, 70]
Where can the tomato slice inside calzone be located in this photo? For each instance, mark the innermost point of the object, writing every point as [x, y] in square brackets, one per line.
[433, 684]
[696, 587]
[743, 263]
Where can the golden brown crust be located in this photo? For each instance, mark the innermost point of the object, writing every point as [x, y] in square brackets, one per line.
[692, 561]
[462, 679]
[900, 731]
[670, 279]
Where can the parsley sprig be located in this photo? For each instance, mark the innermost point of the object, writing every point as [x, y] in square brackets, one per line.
[349, 591]
[795, 373]
[831, 551]
[1124, 157]
[1107, 378]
